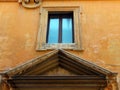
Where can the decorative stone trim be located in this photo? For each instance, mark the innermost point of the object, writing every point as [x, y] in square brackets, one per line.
[41, 38]
[30, 3]
[58, 46]
[112, 83]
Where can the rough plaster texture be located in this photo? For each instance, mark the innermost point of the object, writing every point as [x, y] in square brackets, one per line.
[18, 31]
[100, 25]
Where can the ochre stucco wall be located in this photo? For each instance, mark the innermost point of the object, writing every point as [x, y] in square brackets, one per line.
[100, 23]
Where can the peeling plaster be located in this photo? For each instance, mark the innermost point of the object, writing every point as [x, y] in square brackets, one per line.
[95, 48]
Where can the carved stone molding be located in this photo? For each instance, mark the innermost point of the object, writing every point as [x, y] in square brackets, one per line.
[41, 39]
[30, 3]
[112, 82]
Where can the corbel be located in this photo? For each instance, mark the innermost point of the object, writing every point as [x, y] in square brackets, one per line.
[30, 3]
[3, 82]
[112, 83]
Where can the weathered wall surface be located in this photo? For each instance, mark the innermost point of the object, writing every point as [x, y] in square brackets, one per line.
[18, 31]
[100, 32]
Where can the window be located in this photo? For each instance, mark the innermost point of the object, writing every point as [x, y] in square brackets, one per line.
[60, 28]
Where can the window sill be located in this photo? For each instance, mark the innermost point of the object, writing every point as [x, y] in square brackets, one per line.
[68, 46]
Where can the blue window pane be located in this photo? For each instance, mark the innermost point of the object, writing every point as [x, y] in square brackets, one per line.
[67, 30]
[53, 31]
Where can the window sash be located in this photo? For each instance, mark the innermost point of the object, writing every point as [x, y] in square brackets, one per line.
[61, 31]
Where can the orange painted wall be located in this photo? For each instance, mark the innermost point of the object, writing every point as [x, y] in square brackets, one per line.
[100, 32]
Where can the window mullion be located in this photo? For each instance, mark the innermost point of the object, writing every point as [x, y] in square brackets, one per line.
[60, 30]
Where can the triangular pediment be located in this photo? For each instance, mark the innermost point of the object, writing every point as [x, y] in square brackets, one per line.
[58, 62]
[55, 68]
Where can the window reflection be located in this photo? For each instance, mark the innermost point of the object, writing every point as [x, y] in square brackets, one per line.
[53, 31]
[60, 28]
[67, 30]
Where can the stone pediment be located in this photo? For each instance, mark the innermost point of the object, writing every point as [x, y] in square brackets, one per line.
[58, 62]
[58, 68]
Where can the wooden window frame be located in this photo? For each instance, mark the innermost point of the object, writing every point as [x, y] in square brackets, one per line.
[60, 16]
[42, 32]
